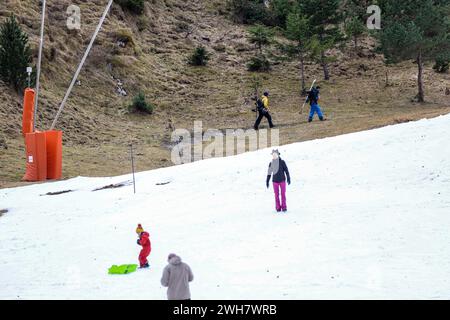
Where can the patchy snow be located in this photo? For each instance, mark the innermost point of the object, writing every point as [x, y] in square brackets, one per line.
[369, 217]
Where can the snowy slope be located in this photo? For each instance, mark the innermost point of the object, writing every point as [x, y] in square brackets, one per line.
[369, 217]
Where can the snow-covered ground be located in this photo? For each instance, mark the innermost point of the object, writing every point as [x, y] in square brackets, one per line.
[369, 217]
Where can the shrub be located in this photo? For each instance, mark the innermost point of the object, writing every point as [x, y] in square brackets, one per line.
[442, 64]
[248, 11]
[258, 64]
[199, 57]
[15, 54]
[142, 23]
[135, 6]
[140, 104]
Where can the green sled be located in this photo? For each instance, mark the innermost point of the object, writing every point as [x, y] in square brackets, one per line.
[123, 269]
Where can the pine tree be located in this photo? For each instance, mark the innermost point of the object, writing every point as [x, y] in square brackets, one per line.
[354, 28]
[260, 36]
[324, 17]
[199, 57]
[280, 10]
[15, 54]
[417, 30]
[298, 30]
[248, 11]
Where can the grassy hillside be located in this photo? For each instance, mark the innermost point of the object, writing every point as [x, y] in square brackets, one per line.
[98, 128]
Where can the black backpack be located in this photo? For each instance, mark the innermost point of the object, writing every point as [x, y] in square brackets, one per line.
[260, 106]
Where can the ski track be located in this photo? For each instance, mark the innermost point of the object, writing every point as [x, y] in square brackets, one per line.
[368, 218]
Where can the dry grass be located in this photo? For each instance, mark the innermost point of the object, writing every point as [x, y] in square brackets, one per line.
[97, 128]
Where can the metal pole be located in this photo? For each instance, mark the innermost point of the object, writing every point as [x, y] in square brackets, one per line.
[38, 74]
[132, 167]
[75, 77]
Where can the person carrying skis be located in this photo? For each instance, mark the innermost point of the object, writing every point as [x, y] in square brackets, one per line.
[262, 107]
[313, 98]
[279, 170]
[144, 241]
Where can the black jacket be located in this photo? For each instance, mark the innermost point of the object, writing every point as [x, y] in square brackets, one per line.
[313, 96]
[280, 174]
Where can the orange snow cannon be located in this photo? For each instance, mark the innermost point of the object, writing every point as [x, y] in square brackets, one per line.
[36, 156]
[54, 154]
[28, 111]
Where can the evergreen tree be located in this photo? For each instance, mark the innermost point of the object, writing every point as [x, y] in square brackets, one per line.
[324, 17]
[199, 57]
[354, 28]
[261, 36]
[298, 30]
[356, 9]
[248, 11]
[415, 29]
[15, 54]
[280, 9]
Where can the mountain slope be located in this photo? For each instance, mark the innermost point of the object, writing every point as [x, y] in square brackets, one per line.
[98, 128]
[368, 218]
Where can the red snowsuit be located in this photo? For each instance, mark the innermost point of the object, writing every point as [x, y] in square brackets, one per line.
[144, 241]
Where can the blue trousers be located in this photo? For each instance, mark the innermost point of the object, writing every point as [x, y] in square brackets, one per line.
[315, 108]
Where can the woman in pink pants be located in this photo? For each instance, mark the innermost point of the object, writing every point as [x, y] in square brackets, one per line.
[279, 170]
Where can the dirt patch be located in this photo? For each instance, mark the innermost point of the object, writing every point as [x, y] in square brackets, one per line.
[113, 186]
[402, 120]
[56, 193]
[3, 211]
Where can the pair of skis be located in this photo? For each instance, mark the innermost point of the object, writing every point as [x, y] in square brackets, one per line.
[314, 82]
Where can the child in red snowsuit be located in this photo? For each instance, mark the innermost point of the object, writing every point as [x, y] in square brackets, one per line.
[144, 241]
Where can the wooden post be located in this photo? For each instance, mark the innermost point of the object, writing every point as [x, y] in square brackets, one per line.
[132, 167]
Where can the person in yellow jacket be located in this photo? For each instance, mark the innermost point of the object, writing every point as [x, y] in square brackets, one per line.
[263, 110]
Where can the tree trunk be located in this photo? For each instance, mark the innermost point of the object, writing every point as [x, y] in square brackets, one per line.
[421, 95]
[302, 74]
[325, 66]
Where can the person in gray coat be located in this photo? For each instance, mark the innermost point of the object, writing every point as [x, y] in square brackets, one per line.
[176, 278]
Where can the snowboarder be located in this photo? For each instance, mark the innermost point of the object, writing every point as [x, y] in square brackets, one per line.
[176, 277]
[313, 98]
[279, 170]
[262, 107]
[144, 241]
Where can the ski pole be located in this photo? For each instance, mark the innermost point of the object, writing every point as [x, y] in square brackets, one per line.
[301, 110]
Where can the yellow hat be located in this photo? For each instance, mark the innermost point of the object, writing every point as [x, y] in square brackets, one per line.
[139, 229]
